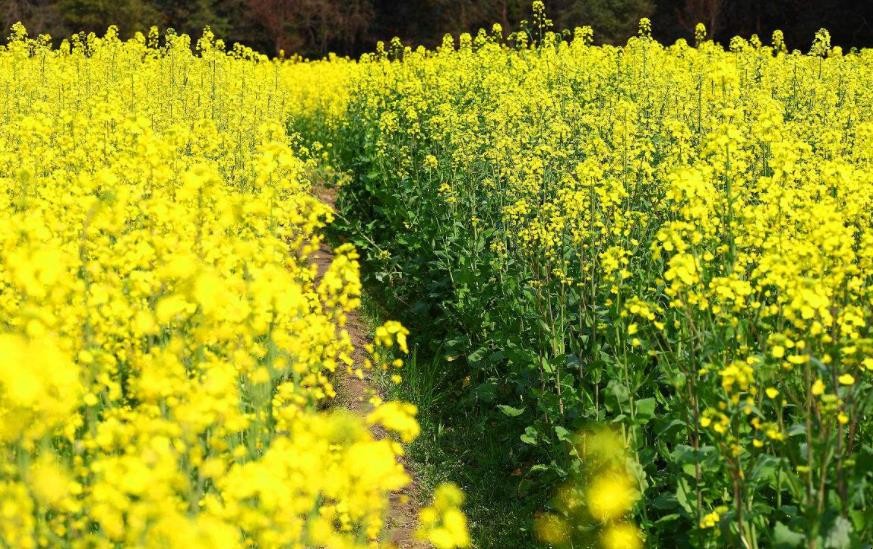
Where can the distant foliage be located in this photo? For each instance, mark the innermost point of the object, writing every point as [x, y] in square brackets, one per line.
[314, 28]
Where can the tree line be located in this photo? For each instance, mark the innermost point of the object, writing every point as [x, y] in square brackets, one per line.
[313, 28]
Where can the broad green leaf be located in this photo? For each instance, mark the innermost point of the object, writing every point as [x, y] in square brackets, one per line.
[527, 439]
[840, 534]
[563, 434]
[510, 411]
[530, 436]
[784, 537]
[645, 409]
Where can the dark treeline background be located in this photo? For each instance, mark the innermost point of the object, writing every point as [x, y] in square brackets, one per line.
[351, 27]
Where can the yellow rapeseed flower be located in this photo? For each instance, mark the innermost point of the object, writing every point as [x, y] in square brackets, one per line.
[610, 496]
[621, 536]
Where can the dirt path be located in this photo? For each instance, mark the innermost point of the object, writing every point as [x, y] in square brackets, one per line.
[354, 394]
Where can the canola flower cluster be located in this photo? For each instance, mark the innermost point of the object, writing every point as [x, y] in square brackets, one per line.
[166, 343]
[603, 494]
[677, 239]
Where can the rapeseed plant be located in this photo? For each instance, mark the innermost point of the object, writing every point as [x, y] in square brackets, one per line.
[166, 346]
[675, 240]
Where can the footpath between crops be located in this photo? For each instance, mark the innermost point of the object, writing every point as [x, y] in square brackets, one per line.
[353, 394]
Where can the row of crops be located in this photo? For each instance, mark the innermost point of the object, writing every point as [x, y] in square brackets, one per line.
[166, 350]
[673, 243]
[637, 280]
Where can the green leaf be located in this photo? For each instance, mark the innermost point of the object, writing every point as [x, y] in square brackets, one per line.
[529, 436]
[669, 427]
[784, 537]
[672, 517]
[486, 392]
[840, 534]
[528, 439]
[664, 502]
[646, 409]
[510, 410]
[765, 470]
[547, 366]
[858, 519]
[563, 434]
[617, 396]
[477, 355]
[797, 429]
[682, 492]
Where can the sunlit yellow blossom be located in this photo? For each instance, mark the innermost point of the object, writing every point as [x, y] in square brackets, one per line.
[442, 523]
[611, 496]
[397, 417]
[709, 520]
[621, 536]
